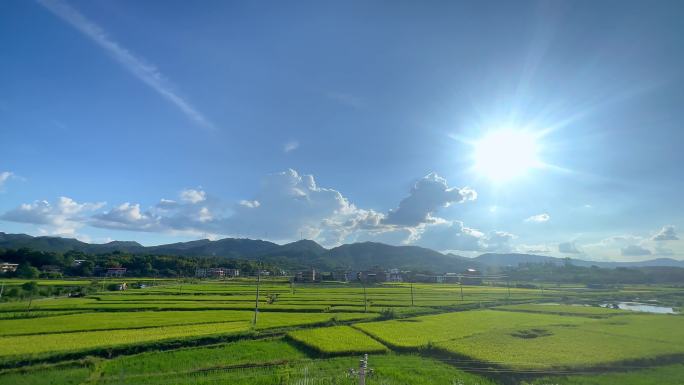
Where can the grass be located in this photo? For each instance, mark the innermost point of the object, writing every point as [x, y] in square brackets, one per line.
[48, 376]
[42, 344]
[551, 308]
[389, 370]
[219, 356]
[555, 347]
[532, 336]
[27, 346]
[418, 332]
[337, 340]
[664, 375]
[119, 320]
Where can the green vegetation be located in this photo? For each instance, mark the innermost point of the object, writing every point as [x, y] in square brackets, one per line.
[552, 308]
[664, 375]
[556, 347]
[46, 376]
[337, 340]
[202, 332]
[419, 332]
[189, 360]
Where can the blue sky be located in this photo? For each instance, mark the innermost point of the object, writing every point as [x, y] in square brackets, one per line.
[347, 121]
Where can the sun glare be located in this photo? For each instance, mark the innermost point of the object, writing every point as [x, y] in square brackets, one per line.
[506, 154]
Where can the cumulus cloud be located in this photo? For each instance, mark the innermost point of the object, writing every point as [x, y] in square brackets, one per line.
[667, 233]
[290, 146]
[499, 241]
[250, 204]
[193, 196]
[290, 205]
[63, 217]
[634, 251]
[539, 218]
[569, 248]
[4, 177]
[193, 213]
[663, 251]
[287, 206]
[535, 249]
[127, 216]
[453, 235]
[427, 195]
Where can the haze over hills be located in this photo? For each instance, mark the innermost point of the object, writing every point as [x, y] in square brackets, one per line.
[306, 253]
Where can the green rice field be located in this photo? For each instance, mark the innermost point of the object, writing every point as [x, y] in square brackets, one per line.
[205, 332]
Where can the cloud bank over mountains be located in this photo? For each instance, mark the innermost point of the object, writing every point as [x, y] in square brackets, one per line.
[288, 206]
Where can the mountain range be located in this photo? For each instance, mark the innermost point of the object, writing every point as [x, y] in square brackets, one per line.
[306, 253]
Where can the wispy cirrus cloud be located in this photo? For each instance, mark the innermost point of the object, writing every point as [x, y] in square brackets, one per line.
[4, 176]
[144, 71]
[290, 146]
[539, 218]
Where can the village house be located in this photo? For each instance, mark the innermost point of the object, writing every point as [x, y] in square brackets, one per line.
[471, 277]
[8, 267]
[394, 275]
[306, 276]
[216, 272]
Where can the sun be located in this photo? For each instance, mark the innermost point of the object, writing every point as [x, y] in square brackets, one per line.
[506, 154]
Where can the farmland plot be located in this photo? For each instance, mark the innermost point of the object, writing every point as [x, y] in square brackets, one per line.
[418, 332]
[337, 340]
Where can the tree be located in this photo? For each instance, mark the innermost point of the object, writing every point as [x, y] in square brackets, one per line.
[25, 270]
[30, 287]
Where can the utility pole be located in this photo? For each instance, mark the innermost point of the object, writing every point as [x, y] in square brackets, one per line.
[365, 298]
[292, 284]
[363, 371]
[461, 285]
[411, 293]
[2, 289]
[508, 283]
[256, 302]
[363, 366]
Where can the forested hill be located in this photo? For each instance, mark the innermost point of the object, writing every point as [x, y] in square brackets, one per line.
[296, 255]
[306, 253]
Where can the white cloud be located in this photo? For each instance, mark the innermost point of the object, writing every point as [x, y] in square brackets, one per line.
[569, 248]
[4, 177]
[290, 146]
[289, 205]
[63, 217]
[127, 216]
[534, 249]
[250, 204]
[539, 218]
[634, 251]
[193, 196]
[667, 233]
[453, 235]
[144, 71]
[663, 251]
[427, 195]
[195, 213]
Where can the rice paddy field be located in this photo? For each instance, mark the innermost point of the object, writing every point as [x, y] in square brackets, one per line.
[207, 332]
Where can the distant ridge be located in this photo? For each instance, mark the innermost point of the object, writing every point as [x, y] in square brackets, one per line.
[307, 253]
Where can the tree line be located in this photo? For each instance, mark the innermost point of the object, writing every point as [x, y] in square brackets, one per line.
[32, 263]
